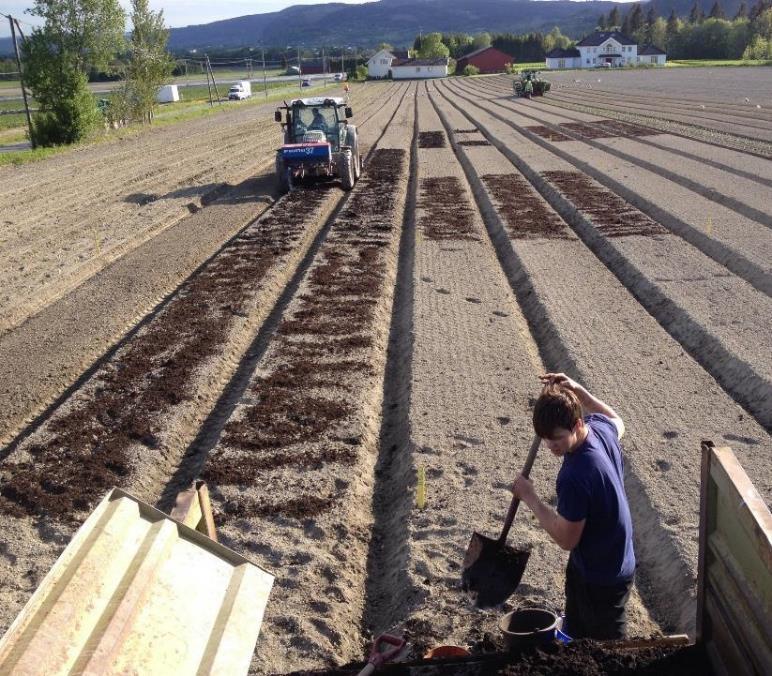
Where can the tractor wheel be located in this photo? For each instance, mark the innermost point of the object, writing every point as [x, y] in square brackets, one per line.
[283, 176]
[352, 140]
[346, 170]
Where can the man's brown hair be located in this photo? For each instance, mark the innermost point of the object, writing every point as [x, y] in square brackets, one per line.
[556, 407]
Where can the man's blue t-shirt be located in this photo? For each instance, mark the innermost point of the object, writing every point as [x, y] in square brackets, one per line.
[590, 485]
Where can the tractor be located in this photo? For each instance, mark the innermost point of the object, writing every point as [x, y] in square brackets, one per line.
[318, 142]
[530, 84]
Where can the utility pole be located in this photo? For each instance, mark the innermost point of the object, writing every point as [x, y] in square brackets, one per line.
[11, 20]
[324, 68]
[265, 82]
[300, 72]
[211, 72]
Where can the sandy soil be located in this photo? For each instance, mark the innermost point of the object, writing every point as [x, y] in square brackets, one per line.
[123, 427]
[730, 238]
[655, 384]
[67, 217]
[465, 420]
[315, 364]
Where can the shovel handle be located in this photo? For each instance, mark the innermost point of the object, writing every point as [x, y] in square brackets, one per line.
[516, 501]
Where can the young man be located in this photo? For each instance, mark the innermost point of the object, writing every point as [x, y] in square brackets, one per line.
[593, 518]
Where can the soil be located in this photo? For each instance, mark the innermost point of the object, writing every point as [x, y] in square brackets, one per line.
[588, 658]
[313, 366]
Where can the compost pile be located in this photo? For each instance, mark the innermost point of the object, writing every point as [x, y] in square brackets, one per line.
[589, 658]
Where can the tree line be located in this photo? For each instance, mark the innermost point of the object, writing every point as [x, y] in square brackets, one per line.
[747, 35]
[79, 37]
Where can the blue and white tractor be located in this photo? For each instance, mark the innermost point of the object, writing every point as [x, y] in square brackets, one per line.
[319, 142]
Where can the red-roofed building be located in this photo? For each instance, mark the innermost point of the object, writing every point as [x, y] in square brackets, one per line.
[486, 59]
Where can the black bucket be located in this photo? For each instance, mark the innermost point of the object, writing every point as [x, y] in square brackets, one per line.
[528, 627]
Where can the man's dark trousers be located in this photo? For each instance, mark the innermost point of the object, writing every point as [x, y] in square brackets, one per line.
[595, 611]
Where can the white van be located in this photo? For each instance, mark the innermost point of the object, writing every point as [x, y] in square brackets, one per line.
[240, 91]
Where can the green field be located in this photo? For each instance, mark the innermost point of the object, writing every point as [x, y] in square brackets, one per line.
[696, 63]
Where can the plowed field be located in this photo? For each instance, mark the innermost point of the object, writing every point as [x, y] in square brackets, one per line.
[167, 316]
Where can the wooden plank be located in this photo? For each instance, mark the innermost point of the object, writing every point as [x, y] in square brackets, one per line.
[735, 568]
[703, 534]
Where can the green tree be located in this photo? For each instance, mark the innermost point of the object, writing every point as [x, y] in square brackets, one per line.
[481, 40]
[658, 33]
[696, 14]
[602, 25]
[614, 18]
[636, 19]
[742, 11]
[717, 12]
[149, 64]
[77, 35]
[432, 47]
[471, 70]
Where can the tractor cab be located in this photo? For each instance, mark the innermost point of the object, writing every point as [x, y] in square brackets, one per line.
[315, 120]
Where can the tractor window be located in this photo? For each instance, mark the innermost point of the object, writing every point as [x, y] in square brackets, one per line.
[315, 117]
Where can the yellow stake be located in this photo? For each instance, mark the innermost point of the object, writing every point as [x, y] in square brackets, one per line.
[420, 496]
[710, 226]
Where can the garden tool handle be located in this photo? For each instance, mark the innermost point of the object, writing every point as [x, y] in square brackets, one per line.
[516, 501]
[378, 656]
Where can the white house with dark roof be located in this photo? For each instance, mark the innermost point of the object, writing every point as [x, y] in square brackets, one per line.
[379, 64]
[604, 47]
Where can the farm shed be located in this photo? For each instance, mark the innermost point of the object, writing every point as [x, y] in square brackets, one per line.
[487, 60]
[419, 69]
[652, 54]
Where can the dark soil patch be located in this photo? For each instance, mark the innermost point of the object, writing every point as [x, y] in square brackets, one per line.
[613, 216]
[431, 139]
[465, 131]
[588, 658]
[290, 424]
[549, 134]
[88, 448]
[524, 212]
[446, 211]
[607, 129]
[474, 143]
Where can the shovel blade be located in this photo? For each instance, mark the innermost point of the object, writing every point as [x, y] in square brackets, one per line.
[492, 571]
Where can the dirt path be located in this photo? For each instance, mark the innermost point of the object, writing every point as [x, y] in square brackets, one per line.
[596, 329]
[130, 423]
[66, 218]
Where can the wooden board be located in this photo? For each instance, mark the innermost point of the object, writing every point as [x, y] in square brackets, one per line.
[734, 589]
[137, 592]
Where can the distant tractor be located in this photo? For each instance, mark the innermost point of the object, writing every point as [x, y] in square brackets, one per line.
[318, 142]
[529, 84]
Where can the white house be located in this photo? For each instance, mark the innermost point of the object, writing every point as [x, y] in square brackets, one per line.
[419, 69]
[379, 64]
[604, 47]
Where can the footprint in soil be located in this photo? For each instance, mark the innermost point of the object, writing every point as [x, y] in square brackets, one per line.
[328, 632]
[672, 520]
[434, 472]
[429, 450]
[663, 465]
[443, 291]
[472, 299]
[499, 313]
[426, 279]
[670, 435]
[467, 469]
[503, 420]
[743, 440]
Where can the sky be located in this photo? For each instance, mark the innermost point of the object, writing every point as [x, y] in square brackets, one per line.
[177, 12]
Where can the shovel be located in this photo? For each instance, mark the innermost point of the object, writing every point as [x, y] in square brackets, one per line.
[492, 569]
[385, 648]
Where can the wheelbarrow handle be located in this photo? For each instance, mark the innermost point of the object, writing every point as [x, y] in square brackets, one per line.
[516, 501]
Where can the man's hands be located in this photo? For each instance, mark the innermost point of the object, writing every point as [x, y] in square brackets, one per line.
[560, 379]
[523, 490]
